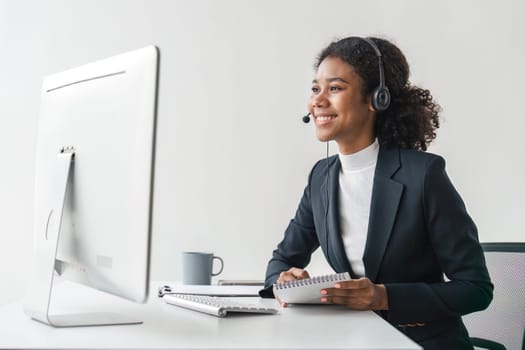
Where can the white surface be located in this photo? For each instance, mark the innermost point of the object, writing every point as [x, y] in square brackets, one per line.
[169, 327]
[232, 153]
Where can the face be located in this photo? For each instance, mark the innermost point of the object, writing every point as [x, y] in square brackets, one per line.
[339, 110]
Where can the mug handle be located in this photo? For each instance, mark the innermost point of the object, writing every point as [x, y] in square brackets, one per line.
[222, 265]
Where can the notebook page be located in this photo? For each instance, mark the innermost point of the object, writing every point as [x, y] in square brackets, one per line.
[307, 291]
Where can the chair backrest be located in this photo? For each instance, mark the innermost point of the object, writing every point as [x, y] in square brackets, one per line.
[504, 320]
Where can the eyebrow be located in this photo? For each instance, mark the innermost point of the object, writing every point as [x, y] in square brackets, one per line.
[331, 80]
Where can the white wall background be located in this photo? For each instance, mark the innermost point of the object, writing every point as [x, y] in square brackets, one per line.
[232, 153]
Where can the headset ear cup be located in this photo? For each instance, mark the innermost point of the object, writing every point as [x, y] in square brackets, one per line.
[381, 99]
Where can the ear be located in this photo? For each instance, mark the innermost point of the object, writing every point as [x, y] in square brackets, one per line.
[369, 102]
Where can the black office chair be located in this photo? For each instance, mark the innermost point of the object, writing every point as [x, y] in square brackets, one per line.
[502, 325]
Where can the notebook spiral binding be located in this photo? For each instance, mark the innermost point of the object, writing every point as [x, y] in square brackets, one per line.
[314, 280]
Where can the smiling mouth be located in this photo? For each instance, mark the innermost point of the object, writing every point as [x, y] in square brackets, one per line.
[323, 119]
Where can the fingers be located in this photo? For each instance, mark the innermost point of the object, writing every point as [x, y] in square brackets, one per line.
[335, 300]
[369, 297]
[292, 274]
[299, 273]
[345, 296]
[362, 285]
[286, 276]
[355, 303]
[362, 282]
[282, 303]
[338, 292]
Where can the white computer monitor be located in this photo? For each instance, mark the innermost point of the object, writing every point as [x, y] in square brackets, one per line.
[94, 183]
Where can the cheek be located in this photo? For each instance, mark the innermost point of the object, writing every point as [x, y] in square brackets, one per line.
[343, 108]
[350, 105]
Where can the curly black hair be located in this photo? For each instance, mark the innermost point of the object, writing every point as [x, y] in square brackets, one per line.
[412, 118]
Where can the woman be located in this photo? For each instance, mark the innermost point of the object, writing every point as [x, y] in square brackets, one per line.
[383, 209]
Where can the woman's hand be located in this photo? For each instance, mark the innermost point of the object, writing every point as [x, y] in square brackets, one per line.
[360, 294]
[292, 274]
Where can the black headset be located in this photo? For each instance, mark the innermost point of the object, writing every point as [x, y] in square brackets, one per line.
[381, 94]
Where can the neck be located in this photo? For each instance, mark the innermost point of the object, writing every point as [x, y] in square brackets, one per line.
[354, 146]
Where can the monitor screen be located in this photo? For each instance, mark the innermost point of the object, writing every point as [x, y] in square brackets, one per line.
[105, 114]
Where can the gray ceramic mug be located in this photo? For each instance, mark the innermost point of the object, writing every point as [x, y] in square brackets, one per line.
[197, 267]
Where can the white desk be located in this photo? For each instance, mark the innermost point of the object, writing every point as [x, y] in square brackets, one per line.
[169, 327]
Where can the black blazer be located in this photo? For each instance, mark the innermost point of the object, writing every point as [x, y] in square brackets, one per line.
[418, 230]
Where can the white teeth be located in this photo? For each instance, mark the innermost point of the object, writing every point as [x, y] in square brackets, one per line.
[325, 117]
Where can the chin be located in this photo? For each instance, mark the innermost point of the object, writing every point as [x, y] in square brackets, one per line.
[323, 137]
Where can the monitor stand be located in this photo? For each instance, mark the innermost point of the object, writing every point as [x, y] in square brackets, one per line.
[40, 290]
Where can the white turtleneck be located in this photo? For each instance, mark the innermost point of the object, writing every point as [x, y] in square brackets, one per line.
[355, 194]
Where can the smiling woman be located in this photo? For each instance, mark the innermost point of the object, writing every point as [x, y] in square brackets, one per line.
[412, 117]
[339, 110]
[383, 209]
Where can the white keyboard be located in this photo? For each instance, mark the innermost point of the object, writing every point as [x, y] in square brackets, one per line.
[216, 306]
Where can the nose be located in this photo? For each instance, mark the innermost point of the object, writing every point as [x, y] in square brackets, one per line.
[318, 100]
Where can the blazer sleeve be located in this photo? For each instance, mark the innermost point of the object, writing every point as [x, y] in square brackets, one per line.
[454, 239]
[299, 242]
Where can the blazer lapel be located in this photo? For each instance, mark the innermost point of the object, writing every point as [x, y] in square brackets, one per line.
[333, 240]
[386, 195]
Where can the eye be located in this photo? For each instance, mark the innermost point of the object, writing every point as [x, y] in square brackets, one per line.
[315, 89]
[335, 88]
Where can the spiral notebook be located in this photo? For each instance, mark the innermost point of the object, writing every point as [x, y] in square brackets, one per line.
[308, 290]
